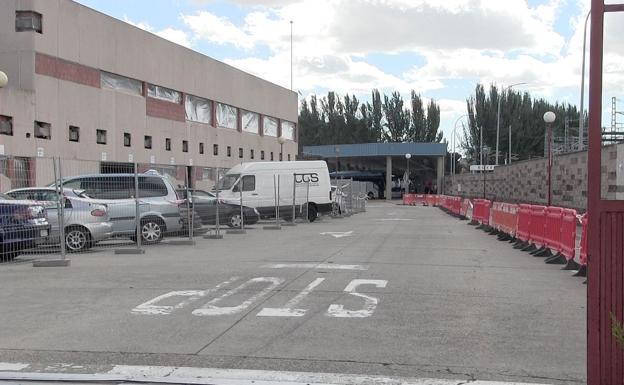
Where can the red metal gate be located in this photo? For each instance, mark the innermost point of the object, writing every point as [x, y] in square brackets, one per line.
[605, 294]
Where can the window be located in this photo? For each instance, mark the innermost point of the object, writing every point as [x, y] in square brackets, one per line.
[74, 134]
[185, 146]
[162, 93]
[28, 21]
[215, 149]
[226, 116]
[167, 144]
[43, 130]
[198, 109]
[249, 183]
[229, 151]
[201, 148]
[280, 156]
[288, 130]
[269, 126]
[272, 155]
[240, 152]
[251, 153]
[121, 83]
[100, 136]
[261, 154]
[289, 157]
[6, 125]
[151, 187]
[147, 142]
[250, 121]
[127, 139]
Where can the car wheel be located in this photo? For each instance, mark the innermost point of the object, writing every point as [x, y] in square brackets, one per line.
[152, 231]
[235, 221]
[77, 239]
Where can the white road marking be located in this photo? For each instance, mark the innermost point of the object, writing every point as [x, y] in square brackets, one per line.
[288, 310]
[151, 308]
[393, 219]
[370, 303]
[9, 366]
[211, 309]
[204, 376]
[324, 266]
[338, 234]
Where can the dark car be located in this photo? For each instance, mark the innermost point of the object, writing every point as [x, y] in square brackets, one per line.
[23, 225]
[205, 205]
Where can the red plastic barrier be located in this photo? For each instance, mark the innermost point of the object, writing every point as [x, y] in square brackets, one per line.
[505, 217]
[481, 211]
[538, 225]
[583, 253]
[552, 228]
[408, 199]
[568, 234]
[466, 211]
[523, 232]
[431, 200]
[419, 199]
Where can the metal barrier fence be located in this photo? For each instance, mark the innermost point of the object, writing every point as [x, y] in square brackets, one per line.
[52, 207]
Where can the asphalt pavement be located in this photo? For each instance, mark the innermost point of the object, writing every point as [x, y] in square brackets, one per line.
[399, 291]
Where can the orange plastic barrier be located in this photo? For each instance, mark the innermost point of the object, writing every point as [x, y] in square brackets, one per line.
[552, 228]
[583, 253]
[524, 223]
[481, 211]
[505, 217]
[568, 234]
[538, 225]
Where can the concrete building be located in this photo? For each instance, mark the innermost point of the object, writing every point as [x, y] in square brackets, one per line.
[425, 163]
[86, 86]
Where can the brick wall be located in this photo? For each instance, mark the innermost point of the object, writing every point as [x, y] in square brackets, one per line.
[165, 110]
[66, 70]
[527, 181]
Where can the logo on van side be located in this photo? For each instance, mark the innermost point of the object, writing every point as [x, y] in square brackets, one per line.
[307, 178]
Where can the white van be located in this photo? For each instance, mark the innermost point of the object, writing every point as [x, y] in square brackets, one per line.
[258, 187]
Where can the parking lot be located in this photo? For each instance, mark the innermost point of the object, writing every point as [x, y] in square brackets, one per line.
[398, 291]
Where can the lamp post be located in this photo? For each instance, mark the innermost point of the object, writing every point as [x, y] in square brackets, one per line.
[453, 154]
[4, 79]
[582, 111]
[498, 115]
[337, 152]
[281, 140]
[549, 118]
[407, 157]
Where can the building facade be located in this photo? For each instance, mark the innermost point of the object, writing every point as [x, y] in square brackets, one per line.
[88, 87]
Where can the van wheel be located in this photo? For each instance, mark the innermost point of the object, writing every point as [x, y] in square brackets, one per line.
[152, 231]
[77, 239]
[312, 213]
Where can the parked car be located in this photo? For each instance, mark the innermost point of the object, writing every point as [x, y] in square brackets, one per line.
[23, 225]
[205, 205]
[86, 222]
[161, 210]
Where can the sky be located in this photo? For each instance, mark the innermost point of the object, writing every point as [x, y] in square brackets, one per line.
[439, 48]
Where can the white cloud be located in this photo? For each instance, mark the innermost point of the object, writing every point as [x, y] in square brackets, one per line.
[177, 36]
[219, 30]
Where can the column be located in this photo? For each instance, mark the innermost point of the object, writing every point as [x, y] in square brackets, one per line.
[388, 178]
[440, 174]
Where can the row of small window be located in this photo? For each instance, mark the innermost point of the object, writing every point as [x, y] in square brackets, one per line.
[199, 110]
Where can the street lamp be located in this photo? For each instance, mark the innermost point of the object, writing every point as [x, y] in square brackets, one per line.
[4, 79]
[407, 156]
[281, 140]
[498, 115]
[453, 154]
[337, 152]
[582, 117]
[549, 118]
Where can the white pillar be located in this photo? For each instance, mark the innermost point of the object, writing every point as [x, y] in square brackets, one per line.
[440, 174]
[388, 178]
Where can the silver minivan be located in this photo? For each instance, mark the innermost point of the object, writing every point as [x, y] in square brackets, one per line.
[161, 210]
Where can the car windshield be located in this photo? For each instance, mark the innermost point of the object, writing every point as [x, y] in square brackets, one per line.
[227, 181]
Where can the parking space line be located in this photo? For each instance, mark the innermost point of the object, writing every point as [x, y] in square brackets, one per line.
[325, 266]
